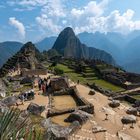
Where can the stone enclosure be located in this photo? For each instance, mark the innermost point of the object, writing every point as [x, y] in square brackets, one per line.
[66, 101]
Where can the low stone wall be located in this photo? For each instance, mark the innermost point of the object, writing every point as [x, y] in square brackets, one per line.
[127, 98]
[82, 104]
[103, 91]
[34, 72]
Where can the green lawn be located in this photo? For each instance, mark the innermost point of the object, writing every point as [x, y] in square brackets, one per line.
[91, 77]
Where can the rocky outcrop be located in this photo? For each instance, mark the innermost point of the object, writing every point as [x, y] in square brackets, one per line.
[114, 103]
[35, 109]
[79, 116]
[129, 119]
[132, 111]
[57, 132]
[10, 101]
[92, 92]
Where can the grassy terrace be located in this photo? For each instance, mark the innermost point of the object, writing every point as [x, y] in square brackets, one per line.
[91, 77]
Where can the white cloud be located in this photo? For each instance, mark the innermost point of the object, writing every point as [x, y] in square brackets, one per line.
[17, 24]
[91, 9]
[54, 8]
[26, 3]
[57, 14]
[48, 25]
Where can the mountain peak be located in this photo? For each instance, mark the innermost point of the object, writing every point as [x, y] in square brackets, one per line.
[69, 46]
[68, 31]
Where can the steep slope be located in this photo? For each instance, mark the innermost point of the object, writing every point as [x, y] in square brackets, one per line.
[8, 49]
[46, 43]
[68, 45]
[28, 57]
[132, 66]
[102, 41]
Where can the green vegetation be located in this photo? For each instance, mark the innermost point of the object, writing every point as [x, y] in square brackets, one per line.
[58, 71]
[90, 76]
[137, 97]
[11, 127]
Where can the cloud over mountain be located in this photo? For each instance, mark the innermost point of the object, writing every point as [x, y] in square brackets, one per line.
[51, 16]
[18, 25]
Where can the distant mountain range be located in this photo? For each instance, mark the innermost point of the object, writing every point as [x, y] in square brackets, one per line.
[124, 48]
[8, 49]
[46, 43]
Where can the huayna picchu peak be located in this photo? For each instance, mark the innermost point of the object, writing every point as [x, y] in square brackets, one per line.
[68, 45]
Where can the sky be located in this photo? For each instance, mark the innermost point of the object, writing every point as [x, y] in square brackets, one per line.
[33, 20]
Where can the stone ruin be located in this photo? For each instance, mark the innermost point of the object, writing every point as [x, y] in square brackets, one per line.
[59, 83]
[126, 80]
[81, 103]
[57, 132]
[78, 115]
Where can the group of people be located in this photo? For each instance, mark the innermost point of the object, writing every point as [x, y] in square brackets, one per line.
[43, 84]
[29, 95]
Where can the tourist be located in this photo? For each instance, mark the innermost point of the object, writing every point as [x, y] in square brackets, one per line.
[22, 99]
[43, 88]
[39, 83]
[78, 82]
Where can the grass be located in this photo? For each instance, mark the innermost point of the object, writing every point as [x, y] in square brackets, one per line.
[91, 77]
[136, 97]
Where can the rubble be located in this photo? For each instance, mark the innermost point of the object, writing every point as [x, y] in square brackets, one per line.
[97, 129]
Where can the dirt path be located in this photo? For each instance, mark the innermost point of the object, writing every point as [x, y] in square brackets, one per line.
[113, 124]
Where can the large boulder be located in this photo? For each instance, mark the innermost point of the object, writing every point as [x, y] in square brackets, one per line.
[57, 132]
[79, 116]
[114, 103]
[129, 119]
[132, 111]
[35, 109]
[10, 101]
[92, 92]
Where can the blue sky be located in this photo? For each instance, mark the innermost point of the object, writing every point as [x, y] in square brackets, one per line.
[24, 20]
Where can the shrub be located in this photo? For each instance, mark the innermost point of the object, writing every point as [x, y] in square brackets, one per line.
[58, 71]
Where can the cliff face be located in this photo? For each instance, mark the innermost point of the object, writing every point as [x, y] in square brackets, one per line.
[68, 45]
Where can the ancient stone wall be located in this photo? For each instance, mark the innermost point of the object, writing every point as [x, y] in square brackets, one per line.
[59, 83]
[82, 104]
[34, 72]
